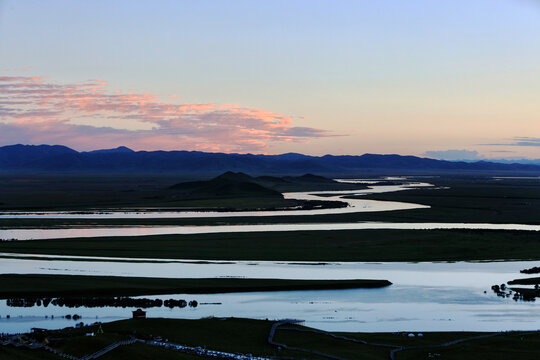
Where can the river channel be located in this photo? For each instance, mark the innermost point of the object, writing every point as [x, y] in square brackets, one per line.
[354, 205]
[424, 296]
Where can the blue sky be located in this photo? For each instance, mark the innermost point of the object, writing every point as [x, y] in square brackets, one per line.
[341, 77]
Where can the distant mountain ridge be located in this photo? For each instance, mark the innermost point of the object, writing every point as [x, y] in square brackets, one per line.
[120, 149]
[58, 158]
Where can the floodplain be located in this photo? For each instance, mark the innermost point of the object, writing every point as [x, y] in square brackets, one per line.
[245, 273]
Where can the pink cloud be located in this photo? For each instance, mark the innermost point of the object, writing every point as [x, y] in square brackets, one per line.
[33, 110]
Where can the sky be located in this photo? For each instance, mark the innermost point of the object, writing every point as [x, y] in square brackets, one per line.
[453, 79]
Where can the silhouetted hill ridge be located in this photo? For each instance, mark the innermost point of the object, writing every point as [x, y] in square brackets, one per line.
[120, 149]
[226, 185]
[57, 158]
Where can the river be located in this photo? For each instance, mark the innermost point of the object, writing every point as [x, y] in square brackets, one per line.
[424, 296]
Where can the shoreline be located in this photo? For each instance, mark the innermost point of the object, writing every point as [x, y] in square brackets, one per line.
[34, 285]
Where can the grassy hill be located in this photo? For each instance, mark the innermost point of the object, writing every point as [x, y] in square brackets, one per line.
[231, 184]
[227, 185]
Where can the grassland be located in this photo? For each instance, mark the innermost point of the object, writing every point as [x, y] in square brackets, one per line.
[342, 245]
[90, 192]
[251, 336]
[472, 200]
[455, 199]
[21, 353]
[463, 199]
[527, 281]
[35, 285]
[467, 199]
[146, 352]
[507, 346]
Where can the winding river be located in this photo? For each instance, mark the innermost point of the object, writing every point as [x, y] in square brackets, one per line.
[424, 296]
[354, 205]
[82, 232]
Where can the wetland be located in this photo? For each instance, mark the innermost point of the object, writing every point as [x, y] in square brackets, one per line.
[370, 255]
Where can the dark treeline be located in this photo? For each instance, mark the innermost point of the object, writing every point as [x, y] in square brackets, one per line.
[533, 270]
[92, 302]
[518, 293]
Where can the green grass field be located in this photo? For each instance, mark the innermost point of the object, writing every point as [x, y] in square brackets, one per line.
[467, 199]
[251, 337]
[83, 192]
[146, 352]
[14, 285]
[19, 353]
[342, 245]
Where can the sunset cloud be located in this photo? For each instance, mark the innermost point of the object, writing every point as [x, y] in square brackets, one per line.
[87, 115]
[520, 141]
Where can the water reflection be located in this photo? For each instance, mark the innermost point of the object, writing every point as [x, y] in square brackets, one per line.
[458, 274]
[424, 297]
[396, 308]
[98, 302]
[77, 232]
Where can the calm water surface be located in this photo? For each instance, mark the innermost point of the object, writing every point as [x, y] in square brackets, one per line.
[81, 232]
[424, 297]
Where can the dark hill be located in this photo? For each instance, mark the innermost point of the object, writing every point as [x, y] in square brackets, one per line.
[310, 178]
[272, 182]
[273, 179]
[234, 177]
[229, 184]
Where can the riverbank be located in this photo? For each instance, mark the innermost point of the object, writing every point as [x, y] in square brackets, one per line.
[16, 286]
[452, 199]
[335, 245]
[159, 337]
[89, 192]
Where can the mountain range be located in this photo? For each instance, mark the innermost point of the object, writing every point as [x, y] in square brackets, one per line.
[58, 158]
